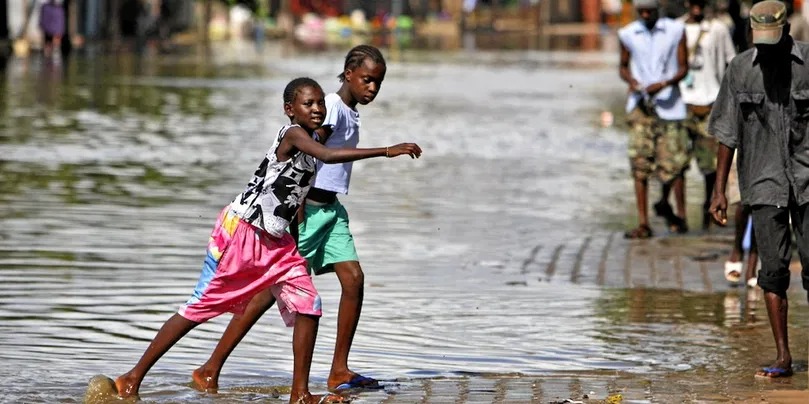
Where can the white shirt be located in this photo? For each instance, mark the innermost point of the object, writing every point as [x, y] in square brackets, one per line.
[345, 123]
[653, 58]
[706, 61]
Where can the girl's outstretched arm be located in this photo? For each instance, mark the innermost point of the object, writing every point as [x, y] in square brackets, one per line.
[297, 138]
[323, 133]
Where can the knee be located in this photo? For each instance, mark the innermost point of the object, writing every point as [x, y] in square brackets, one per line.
[352, 279]
[776, 283]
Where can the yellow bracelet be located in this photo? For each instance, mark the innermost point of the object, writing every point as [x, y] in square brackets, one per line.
[386, 152]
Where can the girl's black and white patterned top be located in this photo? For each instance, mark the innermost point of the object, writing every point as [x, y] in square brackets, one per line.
[277, 188]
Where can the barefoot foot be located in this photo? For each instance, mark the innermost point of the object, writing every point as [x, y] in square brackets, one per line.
[307, 398]
[205, 380]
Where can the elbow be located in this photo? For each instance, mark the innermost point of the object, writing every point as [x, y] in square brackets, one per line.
[329, 158]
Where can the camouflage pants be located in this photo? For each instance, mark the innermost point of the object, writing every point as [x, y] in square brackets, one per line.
[656, 146]
[703, 145]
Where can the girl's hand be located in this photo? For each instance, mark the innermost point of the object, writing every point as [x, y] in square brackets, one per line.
[403, 148]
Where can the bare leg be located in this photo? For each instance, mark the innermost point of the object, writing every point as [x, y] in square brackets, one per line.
[303, 347]
[777, 309]
[206, 377]
[352, 281]
[740, 226]
[641, 195]
[710, 180]
[752, 255]
[57, 46]
[173, 329]
[678, 184]
[641, 199]
[675, 221]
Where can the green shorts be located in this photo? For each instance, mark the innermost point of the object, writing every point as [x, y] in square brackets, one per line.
[657, 147]
[703, 145]
[324, 238]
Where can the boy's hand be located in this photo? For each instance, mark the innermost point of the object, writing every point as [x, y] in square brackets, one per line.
[655, 88]
[404, 148]
[634, 86]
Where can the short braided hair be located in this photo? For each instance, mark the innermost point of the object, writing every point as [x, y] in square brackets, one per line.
[357, 55]
[295, 85]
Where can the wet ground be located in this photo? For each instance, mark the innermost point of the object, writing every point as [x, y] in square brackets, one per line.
[495, 266]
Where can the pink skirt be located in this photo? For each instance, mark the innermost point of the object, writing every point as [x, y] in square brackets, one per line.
[242, 261]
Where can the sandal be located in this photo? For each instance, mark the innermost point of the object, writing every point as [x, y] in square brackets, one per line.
[663, 209]
[675, 223]
[733, 271]
[640, 232]
[774, 372]
[358, 382]
[678, 225]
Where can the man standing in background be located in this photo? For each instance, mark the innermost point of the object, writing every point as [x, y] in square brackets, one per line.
[653, 61]
[710, 49]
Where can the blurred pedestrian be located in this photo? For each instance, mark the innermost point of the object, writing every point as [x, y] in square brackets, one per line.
[710, 49]
[52, 23]
[799, 26]
[653, 61]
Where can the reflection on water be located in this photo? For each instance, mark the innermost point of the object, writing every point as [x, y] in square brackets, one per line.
[114, 167]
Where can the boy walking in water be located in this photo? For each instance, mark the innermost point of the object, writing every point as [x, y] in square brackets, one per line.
[325, 239]
[653, 61]
[251, 252]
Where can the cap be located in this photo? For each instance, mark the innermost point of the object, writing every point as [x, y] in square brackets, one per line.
[767, 20]
[646, 4]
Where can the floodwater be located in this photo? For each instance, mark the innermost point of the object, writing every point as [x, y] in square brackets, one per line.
[490, 262]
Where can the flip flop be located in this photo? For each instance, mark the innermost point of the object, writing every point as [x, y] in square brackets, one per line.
[358, 382]
[774, 372]
[733, 271]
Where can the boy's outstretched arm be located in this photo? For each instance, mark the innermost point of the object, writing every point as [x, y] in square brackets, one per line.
[298, 138]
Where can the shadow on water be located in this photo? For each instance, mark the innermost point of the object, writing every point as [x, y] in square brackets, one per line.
[493, 269]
